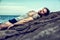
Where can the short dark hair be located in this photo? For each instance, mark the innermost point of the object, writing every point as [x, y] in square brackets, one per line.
[48, 11]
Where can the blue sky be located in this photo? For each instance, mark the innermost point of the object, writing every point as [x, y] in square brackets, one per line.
[21, 7]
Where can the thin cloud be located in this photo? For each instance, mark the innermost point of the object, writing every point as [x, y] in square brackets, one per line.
[13, 9]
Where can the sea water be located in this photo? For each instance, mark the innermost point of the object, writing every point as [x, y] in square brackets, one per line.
[5, 18]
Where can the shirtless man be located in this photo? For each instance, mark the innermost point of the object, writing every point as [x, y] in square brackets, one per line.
[32, 15]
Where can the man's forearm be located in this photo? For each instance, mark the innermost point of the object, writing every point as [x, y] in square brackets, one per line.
[24, 20]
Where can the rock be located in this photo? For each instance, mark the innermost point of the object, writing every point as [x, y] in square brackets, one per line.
[45, 28]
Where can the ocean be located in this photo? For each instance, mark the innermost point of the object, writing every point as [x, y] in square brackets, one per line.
[5, 18]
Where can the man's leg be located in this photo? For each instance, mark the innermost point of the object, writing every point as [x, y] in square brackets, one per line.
[8, 24]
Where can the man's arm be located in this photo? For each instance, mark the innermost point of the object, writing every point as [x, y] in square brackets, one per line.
[24, 20]
[34, 17]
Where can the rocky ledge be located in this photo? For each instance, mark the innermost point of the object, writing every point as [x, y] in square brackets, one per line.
[45, 28]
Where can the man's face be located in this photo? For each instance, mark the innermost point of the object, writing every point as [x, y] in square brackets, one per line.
[43, 11]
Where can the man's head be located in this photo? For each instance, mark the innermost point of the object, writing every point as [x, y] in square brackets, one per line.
[44, 11]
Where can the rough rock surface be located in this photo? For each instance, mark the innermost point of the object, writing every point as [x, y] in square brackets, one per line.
[45, 28]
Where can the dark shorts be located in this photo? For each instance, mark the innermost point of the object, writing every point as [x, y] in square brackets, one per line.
[13, 21]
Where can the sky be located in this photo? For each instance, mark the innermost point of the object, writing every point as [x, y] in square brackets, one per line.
[21, 7]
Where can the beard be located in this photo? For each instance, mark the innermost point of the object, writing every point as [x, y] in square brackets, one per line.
[45, 14]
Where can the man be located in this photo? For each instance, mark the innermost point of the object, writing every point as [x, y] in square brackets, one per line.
[32, 15]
